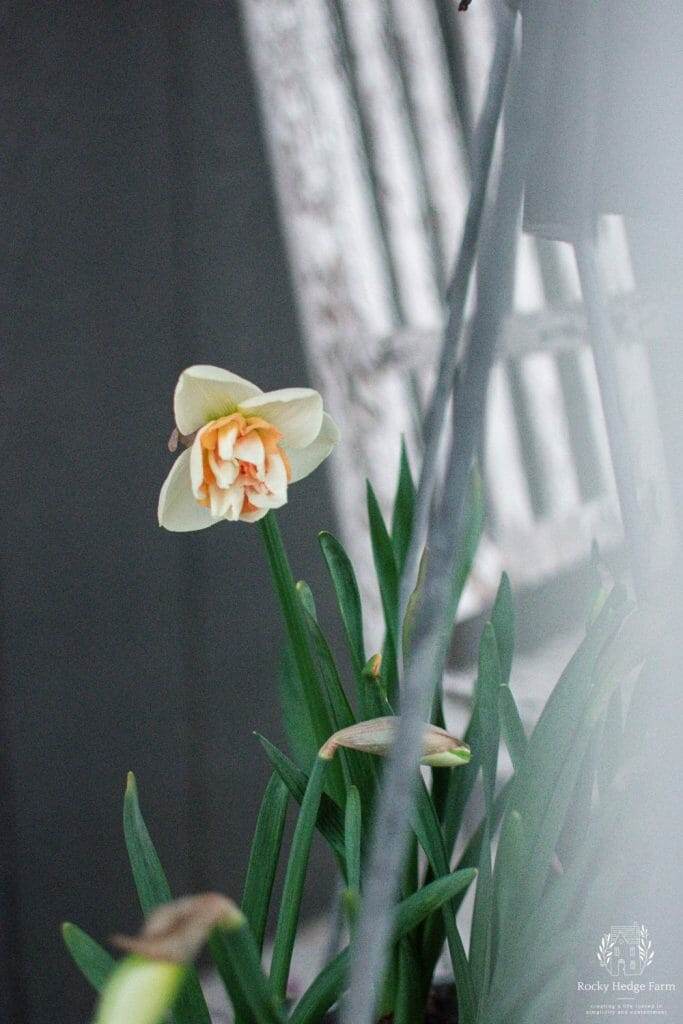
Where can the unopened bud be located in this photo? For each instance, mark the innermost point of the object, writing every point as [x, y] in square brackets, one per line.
[373, 667]
[177, 931]
[139, 992]
[376, 736]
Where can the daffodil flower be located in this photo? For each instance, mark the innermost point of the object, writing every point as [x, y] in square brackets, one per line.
[247, 446]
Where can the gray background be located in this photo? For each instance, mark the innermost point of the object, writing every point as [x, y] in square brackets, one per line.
[139, 235]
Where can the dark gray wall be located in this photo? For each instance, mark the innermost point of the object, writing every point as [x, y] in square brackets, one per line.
[139, 235]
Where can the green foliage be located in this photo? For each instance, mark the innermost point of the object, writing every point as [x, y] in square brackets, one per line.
[523, 905]
[94, 963]
[153, 890]
[265, 853]
[294, 879]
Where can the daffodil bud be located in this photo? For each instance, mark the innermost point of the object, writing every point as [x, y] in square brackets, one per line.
[177, 931]
[373, 667]
[139, 992]
[376, 736]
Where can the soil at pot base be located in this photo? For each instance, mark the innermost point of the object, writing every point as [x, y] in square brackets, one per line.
[442, 1008]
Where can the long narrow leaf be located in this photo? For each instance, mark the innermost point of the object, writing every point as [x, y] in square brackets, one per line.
[265, 852]
[238, 962]
[385, 566]
[404, 509]
[153, 890]
[295, 714]
[435, 937]
[503, 622]
[348, 596]
[352, 839]
[511, 726]
[428, 830]
[94, 962]
[329, 985]
[149, 877]
[330, 822]
[554, 746]
[293, 613]
[357, 770]
[292, 892]
[487, 690]
[473, 520]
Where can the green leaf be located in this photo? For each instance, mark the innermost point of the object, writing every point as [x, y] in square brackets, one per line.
[385, 566]
[330, 822]
[428, 831]
[554, 752]
[473, 520]
[434, 931]
[295, 715]
[487, 690]
[511, 726]
[263, 860]
[409, 1003]
[339, 710]
[238, 962]
[461, 784]
[503, 622]
[356, 769]
[412, 606]
[153, 890]
[297, 631]
[480, 936]
[404, 509]
[348, 597]
[352, 839]
[306, 597]
[329, 984]
[295, 876]
[94, 962]
[150, 881]
[486, 696]
[545, 781]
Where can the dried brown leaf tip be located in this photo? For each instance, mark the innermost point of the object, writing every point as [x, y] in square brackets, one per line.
[377, 736]
[177, 931]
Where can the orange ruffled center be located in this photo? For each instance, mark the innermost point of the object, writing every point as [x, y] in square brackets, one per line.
[238, 467]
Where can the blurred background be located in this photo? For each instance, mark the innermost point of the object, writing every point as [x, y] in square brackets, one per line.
[279, 187]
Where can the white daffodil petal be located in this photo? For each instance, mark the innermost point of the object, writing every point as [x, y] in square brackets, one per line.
[267, 500]
[250, 449]
[197, 467]
[178, 508]
[253, 517]
[276, 476]
[303, 461]
[225, 472]
[206, 393]
[296, 412]
[226, 441]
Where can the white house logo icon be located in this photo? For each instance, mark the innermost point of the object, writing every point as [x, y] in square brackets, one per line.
[626, 949]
